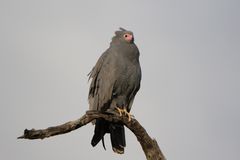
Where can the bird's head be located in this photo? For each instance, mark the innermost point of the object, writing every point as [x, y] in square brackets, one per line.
[124, 35]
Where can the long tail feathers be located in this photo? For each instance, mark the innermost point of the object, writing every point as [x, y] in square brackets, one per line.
[116, 131]
[101, 128]
[117, 135]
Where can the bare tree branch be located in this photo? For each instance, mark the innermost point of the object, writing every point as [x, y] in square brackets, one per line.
[149, 145]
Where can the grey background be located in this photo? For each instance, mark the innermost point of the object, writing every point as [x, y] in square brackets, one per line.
[189, 99]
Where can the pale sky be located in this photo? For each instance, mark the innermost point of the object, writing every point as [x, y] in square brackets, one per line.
[189, 99]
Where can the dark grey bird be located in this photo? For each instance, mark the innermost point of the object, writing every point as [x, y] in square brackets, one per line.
[115, 81]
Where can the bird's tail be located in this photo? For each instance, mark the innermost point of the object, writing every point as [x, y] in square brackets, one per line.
[116, 131]
[117, 135]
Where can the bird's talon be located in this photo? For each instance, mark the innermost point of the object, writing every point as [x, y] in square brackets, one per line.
[119, 111]
[129, 118]
[127, 114]
[124, 112]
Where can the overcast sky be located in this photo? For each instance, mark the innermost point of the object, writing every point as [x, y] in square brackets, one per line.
[190, 94]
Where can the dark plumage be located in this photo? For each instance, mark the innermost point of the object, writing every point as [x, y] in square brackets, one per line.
[115, 81]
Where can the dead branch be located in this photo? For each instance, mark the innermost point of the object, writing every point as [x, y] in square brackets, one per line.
[149, 145]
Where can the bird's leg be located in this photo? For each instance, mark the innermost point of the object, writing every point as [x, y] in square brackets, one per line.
[124, 112]
[128, 114]
[119, 111]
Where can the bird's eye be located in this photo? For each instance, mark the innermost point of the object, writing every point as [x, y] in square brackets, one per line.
[125, 35]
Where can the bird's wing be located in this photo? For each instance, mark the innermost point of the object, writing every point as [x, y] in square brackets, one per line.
[102, 83]
[137, 85]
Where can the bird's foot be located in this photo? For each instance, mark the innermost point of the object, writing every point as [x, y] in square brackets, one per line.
[120, 111]
[127, 114]
[124, 112]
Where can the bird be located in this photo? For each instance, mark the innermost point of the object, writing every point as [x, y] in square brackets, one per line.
[115, 80]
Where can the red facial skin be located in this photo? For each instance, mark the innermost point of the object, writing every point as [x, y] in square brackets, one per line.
[128, 37]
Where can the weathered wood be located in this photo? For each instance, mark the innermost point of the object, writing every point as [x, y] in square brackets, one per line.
[149, 145]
